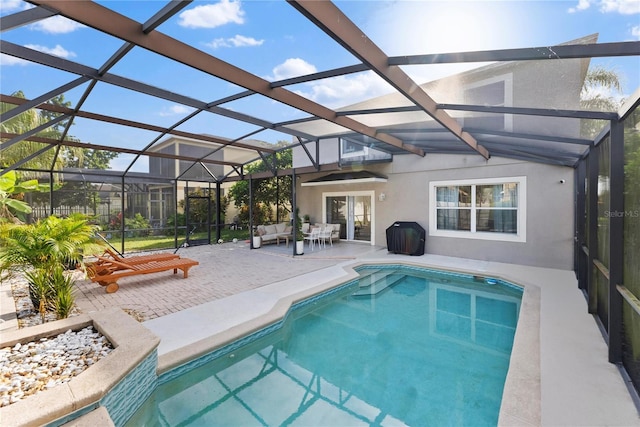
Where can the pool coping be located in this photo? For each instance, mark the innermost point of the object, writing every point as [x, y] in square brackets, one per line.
[80, 399]
[521, 401]
[132, 343]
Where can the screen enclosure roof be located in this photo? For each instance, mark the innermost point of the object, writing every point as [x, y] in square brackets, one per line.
[145, 91]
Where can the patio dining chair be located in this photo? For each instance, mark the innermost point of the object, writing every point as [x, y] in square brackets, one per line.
[313, 237]
[325, 234]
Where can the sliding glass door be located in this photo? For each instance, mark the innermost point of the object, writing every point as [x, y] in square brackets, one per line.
[354, 213]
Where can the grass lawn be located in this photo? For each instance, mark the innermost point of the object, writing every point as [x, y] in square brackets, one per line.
[146, 243]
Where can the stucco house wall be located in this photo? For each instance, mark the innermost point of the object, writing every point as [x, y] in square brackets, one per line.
[549, 189]
[549, 206]
[328, 151]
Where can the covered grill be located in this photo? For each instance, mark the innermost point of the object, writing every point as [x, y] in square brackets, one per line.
[404, 237]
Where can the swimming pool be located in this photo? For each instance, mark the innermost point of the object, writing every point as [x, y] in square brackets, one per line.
[401, 346]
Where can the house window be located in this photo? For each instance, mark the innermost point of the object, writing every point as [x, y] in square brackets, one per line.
[494, 92]
[490, 209]
[352, 149]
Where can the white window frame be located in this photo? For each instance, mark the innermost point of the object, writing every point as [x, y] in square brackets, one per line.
[520, 236]
[363, 152]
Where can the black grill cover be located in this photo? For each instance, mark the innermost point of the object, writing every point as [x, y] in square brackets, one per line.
[406, 238]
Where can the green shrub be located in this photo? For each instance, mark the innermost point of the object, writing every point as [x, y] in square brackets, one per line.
[51, 291]
[41, 250]
[139, 223]
[178, 218]
[41, 291]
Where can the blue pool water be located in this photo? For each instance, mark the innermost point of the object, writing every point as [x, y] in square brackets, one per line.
[401, 346]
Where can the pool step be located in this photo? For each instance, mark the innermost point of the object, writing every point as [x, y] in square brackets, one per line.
[377, 282]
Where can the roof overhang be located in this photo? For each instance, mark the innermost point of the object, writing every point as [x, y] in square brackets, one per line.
[358, 177]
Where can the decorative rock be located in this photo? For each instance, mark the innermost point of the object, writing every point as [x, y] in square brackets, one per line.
[28, 368]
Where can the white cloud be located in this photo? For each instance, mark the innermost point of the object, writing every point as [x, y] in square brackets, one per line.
[582, 5]
[56, 25]
[176, 110]
[333, 92]
[58, 51]
[292, 67]
[236, 41]
[635, 32]
[624, 7]
[7, 60]
[212, 15]
[341, 91]
[11, 5]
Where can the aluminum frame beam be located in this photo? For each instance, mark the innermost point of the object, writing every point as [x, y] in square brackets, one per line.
[528, 111]
[593, 50]
[573, 114]
[82, 70]
[89, 146]
[24, 17]
[131, 123]
[331, 20]
[108, 21]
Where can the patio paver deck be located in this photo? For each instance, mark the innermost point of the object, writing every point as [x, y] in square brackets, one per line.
[224, 270]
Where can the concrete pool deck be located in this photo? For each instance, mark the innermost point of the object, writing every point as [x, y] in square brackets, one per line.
[235, 289]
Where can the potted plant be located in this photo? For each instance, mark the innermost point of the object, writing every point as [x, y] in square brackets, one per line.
[299, 235]
[257, 239]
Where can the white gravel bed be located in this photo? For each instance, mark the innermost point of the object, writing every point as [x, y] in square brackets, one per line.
[31, 367]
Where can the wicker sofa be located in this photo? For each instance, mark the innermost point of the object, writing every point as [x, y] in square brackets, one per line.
[274, 232]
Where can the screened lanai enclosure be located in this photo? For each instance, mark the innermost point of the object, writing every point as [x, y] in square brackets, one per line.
[122, 114]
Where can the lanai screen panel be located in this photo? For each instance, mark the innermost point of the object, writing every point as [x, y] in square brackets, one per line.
[158, 85]
[631, 278]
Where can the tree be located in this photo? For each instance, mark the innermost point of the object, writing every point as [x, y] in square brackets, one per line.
[27, 121]
[597, 94]
[90, 159]
[72, 193]
[75, 157]
[79, 193]
[198, 208]
[268, 191]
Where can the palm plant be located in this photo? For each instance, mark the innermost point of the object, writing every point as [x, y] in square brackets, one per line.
[47, 242]
[598, 93]
[40, 251]
[28, 121]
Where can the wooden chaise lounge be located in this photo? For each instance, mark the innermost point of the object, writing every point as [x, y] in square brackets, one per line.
[97, 267]
[141, 259]
[112, 270]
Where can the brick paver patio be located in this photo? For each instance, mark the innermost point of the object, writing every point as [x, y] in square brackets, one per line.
[224, 270]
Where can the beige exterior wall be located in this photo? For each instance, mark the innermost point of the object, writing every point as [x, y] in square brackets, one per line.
[549, 205]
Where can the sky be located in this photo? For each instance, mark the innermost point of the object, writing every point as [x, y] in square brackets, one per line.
[272, 40]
